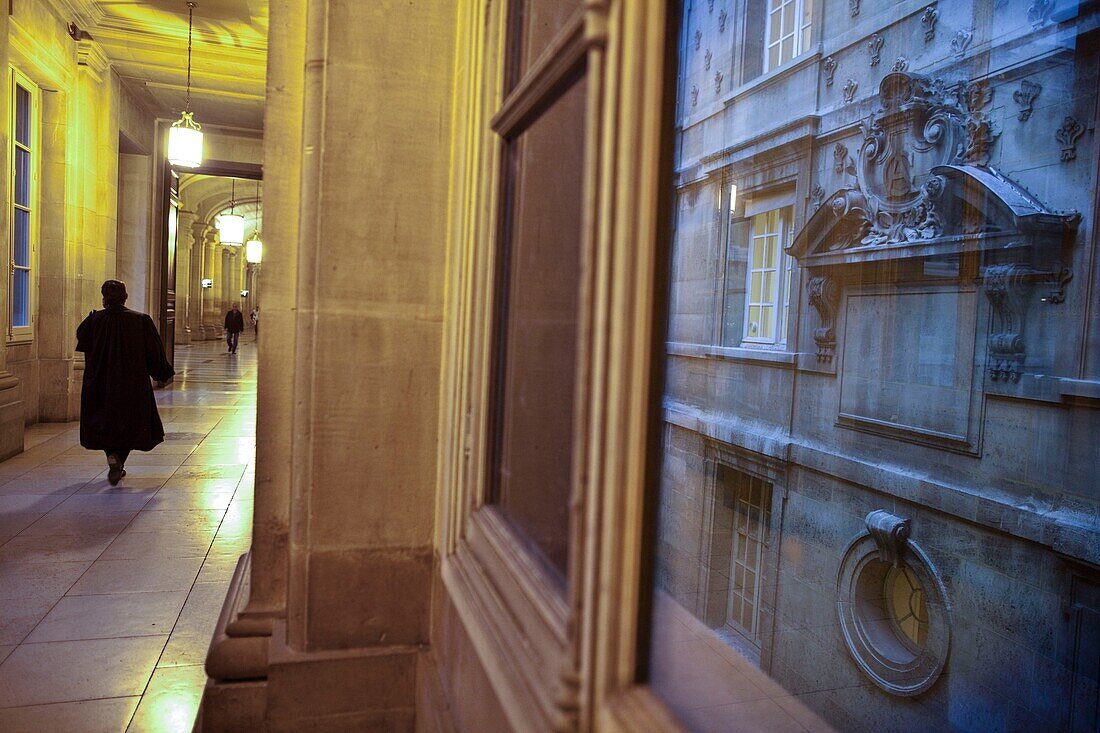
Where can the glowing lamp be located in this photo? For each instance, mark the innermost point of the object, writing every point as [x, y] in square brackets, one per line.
[254, 250]
[206, 282]
[185, 142]
[231, 229]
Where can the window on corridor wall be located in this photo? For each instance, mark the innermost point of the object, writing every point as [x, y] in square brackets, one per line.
[23, 179]
[882, 380]
[538, 283]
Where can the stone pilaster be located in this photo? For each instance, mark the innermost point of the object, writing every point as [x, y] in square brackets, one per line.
[184, 246]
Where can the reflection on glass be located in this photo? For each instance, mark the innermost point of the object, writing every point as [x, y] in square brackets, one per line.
[880, 482]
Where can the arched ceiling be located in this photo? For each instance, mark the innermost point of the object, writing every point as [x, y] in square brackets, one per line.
[146, 42]
[208, 196]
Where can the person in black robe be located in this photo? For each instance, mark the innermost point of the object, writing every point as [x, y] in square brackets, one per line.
[234, 324]
[122, 350]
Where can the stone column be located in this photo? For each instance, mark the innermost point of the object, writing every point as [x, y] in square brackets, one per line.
[184, 245]
[11, 394]
[211, 259]
[197, 233]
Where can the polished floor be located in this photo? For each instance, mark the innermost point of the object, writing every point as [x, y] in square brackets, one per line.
[109, 595]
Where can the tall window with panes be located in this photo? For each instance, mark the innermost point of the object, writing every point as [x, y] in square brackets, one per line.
[23, 180]
[786, 31]
[768, 287]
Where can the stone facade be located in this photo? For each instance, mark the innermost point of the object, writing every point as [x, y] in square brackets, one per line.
[938, 358]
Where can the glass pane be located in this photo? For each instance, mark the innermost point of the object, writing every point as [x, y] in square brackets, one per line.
[919, 357]
[20, 307]
[22, 116]
[536, 367]
[22, 177]
[21, 238]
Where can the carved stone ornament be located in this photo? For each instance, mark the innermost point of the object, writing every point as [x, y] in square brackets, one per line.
[850, 88]
[722, 18]
[922, 186]
[840, 160]
[698, 39]
[1025, 96]
[961, 41]
[707, 59]
[1038, 12]
[928, 21]
[829, 64]
[824, 295]
[1067, 136]
[890, 534]
[718, 78]
[817, 194]
[874, 47]
[710, 6]
[1008, 288]
[901, 64]
[853, 7]
[694, 95]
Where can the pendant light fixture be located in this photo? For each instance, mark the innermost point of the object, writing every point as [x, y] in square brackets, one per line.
[231, 225]
[185, 135]
[254, 247]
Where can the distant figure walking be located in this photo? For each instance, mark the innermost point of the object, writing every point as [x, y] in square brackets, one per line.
[122, 350]
[234, 324]
[254, 317]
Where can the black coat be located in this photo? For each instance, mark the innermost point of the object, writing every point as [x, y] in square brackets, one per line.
[234, 321]
[122, 349]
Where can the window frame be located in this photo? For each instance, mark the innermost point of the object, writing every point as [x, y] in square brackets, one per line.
[784, 273]
[26, 333]
[801, 33]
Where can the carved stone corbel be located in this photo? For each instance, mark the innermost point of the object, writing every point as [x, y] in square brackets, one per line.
[890, 533]
[1008, 288]
[825, 297]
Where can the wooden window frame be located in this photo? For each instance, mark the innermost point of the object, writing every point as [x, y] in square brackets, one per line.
[563, 662]
[24, 334]
[799, 46]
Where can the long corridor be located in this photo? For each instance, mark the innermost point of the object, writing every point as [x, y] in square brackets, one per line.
[109, 595]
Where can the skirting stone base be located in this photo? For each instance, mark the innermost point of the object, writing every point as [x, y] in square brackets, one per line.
[232, 707]
[11, 416]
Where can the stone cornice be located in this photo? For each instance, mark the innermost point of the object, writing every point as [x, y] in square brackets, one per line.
[90, 56]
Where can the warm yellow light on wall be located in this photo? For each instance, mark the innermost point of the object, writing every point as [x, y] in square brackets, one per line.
[254, 250]
[185, 135]
[231, 229]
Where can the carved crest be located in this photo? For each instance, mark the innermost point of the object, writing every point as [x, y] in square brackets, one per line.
[830, 70]
[1025, 96]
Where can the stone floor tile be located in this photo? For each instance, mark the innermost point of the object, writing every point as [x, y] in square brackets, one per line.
[19, 616]
[138, 575]
[50, 548]
[31, 484]
[28, 503]
[177, 543]
[171, 701]
[128, 485]
[136, 471]
[156, 521]
[36, 674]
[190, 500]
[121, 502]
[80, 523]
[109, 616]
[205, 472]
[155, 459]
[755, 715]
[200, 485]
[110, 715]
[218, 567]
[15, 522]
[25, 579]
[5, 650]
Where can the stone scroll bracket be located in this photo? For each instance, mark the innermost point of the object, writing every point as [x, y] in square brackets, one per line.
[890, 534]
[1010, 289]
[824, 292]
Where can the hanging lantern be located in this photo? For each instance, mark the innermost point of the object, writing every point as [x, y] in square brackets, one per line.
[254, 250]
[185, 135]
[231, 225]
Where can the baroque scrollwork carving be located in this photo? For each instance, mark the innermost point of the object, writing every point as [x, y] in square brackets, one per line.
[1008, 288]
[853, 7]
[928, 21]
[718, 78]
[707, 59]
[824, 292]
[1067, 135]
[830, 70]
[901, 64]
[1025, 96]
[722, 18]
[694, 95]
[1038, 12]
[841, 161]
[698, 39]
